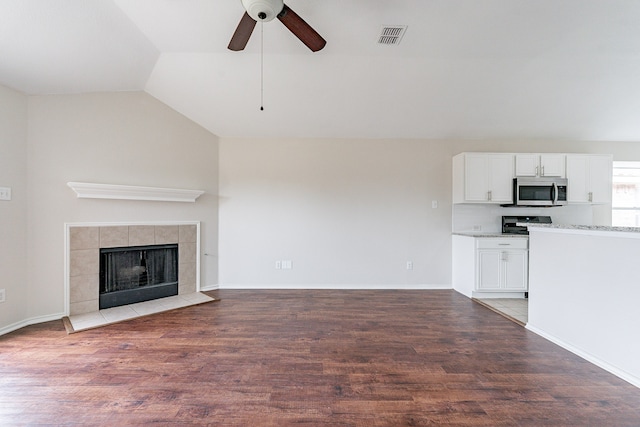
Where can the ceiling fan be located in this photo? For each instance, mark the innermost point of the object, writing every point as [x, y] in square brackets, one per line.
[266, 10]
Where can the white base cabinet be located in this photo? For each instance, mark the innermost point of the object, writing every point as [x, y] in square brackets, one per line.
[488, 266]
[501, 270]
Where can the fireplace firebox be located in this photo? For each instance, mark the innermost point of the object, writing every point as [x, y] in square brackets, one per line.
[137, 273]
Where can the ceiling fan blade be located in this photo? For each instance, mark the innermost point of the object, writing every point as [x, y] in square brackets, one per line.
[243, 32]
[301, 29]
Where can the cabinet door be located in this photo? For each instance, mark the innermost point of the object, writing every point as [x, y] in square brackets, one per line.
[501, 178]
[600, 177]
[527, 164]
[489, 270]
[589, 178]
[515, 270]
[552, 165]
[476, 178]
[578, 178]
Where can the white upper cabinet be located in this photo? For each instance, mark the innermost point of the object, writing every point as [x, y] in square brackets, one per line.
[527, 164]
[553, 165]
[483, 178]
[589, 177]
[540, 165]
[488, 177]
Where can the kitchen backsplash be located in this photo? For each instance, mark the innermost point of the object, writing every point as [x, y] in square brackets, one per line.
[488, 218]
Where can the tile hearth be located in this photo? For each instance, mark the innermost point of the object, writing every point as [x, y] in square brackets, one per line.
[81, 322]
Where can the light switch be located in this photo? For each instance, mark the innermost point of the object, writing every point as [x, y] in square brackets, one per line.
[434, 204]
[5, 193]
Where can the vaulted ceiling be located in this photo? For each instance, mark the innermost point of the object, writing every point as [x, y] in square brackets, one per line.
[505, 69]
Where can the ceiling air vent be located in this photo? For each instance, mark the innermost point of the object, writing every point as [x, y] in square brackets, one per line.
[391, 34]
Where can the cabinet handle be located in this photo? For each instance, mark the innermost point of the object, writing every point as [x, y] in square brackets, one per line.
[504, 244]
[542, 174]
[536, 170]
[489, 195]
[590, 196]
[504, 256]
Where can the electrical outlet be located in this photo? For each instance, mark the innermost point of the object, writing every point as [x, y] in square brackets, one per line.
[284, 264]
[434, 204]
[5, 193]
[477, 228]
[409, 265]
[2, 295]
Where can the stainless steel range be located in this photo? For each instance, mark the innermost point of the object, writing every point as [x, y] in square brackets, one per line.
[509, 223]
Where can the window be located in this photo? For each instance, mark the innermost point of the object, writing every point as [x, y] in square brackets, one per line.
[626, 194]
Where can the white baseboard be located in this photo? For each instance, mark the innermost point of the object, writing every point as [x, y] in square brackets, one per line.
[631, 379]
[334, 286]
[209, 288]
[463, 292]
[496, 295]
[31, 321]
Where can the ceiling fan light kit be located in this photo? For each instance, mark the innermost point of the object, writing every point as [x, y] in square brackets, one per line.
[267, 10]
[263, 10]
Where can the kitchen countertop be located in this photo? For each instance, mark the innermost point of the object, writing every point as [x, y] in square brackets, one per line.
[584, 227]
[490, 235]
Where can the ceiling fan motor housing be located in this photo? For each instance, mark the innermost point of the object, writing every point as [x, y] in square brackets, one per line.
[263, 10]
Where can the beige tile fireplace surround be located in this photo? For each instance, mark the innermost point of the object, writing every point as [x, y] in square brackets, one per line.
[85, 242]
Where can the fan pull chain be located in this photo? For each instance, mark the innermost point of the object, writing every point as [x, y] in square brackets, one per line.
[261, 66]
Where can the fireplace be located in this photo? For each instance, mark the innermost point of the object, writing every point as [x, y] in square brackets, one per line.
[137, 273]
[86, 241]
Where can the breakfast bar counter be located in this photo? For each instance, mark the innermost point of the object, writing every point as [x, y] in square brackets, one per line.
[585, 229]
[584, 292]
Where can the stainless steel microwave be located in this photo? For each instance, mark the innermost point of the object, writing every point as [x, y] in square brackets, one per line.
[540, 191]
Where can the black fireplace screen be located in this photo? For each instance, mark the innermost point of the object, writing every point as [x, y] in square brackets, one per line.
[137, 273]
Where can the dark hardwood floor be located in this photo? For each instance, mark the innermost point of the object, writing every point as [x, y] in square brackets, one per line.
[334, 358]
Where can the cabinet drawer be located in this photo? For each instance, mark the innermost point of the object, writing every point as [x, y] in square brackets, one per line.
[498, 243]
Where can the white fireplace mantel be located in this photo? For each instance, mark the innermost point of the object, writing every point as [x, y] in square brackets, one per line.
[86, 190]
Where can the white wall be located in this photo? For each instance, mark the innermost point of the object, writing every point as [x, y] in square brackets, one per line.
[13, 214]
[117, 138]
[345, 212]
[351, 213]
